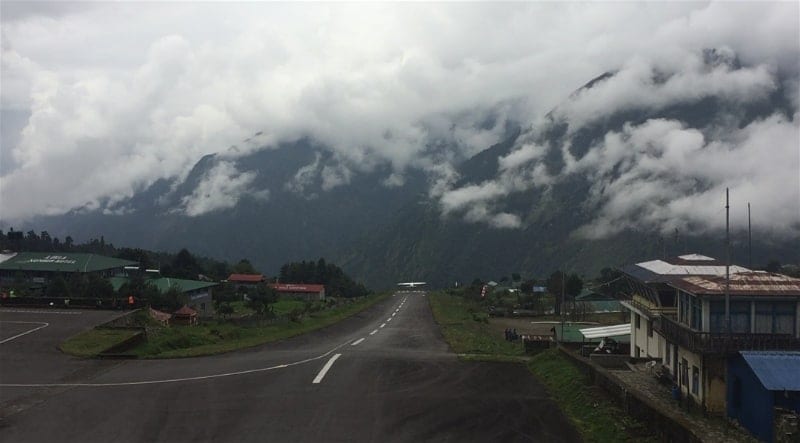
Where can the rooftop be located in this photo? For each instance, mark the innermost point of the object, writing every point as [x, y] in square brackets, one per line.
[292, 287]
[62, 262]
[776, 370]
[246, 278]
[684, 265]
[741, 283]
[163, 284]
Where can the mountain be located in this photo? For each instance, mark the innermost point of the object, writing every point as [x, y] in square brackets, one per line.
[299, 201]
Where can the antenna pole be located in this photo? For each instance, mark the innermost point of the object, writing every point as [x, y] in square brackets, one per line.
[749, 239]
[727, 263]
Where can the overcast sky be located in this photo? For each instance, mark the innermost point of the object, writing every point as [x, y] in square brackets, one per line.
[99, 100]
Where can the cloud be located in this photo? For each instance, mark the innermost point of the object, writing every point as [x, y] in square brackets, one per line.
[220, 188]
[407, 86]
[672, 177]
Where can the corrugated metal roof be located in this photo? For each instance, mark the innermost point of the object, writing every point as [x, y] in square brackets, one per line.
[663, 268]
[607, 331]
[695, 257]
[291, 287]
[247, 278]
[163, 284]
[666, 270]
[776, 370]
[742, 283]
[4, 257]
[62, 262]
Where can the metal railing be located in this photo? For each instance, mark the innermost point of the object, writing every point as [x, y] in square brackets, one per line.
[721, 342]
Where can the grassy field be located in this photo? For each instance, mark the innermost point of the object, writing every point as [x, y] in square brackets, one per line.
[92, 342]
[218, 336]
[215, 336]
[465, 326]
[596, 417]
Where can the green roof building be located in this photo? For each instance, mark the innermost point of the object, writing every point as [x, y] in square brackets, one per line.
[42, 266]
[198, 293]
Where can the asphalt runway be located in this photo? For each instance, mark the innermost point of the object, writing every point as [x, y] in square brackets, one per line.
[382, 375]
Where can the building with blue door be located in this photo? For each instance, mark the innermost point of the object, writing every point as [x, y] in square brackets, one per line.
[757, 383]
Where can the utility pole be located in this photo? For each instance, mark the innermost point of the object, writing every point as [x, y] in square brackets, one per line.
[727, 263]
[749, 239]
[563, 306]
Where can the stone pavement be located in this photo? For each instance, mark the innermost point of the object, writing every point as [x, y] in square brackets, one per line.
[713, 430]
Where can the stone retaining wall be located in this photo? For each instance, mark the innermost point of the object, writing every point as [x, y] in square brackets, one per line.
[669, 427]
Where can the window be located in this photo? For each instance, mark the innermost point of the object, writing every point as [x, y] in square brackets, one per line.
[695, 380]
[740, 316]
[667, 354]
[638, 321]
[716, 316]
[775, 317]
[649, 328]
[697, 313]
[684, 372]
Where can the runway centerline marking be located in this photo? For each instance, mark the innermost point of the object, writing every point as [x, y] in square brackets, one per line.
[373, 332]
[357, 342]
[41, 323]
[325, 369]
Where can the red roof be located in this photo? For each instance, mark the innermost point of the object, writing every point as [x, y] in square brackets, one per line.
[246, 278]
[295, 287]
[185, 311]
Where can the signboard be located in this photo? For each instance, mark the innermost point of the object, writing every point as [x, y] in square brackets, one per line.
[539, 289]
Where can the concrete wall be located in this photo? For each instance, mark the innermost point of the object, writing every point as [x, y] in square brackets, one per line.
[669, 427]
[202, 301]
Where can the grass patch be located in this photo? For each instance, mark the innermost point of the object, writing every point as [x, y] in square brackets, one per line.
[92, 342]
[219, 336]
[596, 417]
[465, 326]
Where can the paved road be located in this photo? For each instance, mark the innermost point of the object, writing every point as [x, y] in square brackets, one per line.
[390, 377]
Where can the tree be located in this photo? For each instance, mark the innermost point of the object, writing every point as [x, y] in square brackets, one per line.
[225, 309]
[610, 282]
[516, 277]
[98, 287]
[58, 287]
[184, 266]
[555, 285]
[773, 266]
[244, 267]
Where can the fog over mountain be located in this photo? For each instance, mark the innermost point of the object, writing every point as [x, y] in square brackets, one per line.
[283, 131]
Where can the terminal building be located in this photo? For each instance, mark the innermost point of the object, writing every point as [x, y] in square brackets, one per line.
[41, 267]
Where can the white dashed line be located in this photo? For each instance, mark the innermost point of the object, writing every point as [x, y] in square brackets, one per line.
[325, 369]
[42, 326]
[383, 325]
[357, 342]
[373, 332]
[389, 319]
[43, 311]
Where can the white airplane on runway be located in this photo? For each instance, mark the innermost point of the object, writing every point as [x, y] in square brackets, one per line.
[412, 284]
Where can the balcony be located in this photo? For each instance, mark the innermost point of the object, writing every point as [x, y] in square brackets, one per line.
[721, 342]
[646, 307]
